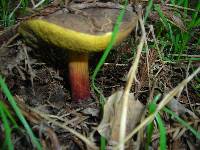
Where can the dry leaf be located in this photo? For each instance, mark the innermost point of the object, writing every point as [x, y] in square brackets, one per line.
[110, 124]
[91, 111]
[177, 107]
[176, 20]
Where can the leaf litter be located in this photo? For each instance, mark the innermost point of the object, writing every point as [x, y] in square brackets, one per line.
[52, 99]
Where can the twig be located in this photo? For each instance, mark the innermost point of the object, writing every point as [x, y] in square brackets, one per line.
[38, 4]
[171, 130]
[30, 70]
[163, 103]
[33, 3]
[114, 64]
[12, 13]
[155, 40]
[131, 77]
[38, 116]
[186, 87]
[80, 136]
[9, 41]
[185, 55]
[50, 134]
[73, 7]
[181, 7]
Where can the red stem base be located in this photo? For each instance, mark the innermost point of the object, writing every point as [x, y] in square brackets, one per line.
[79, 76]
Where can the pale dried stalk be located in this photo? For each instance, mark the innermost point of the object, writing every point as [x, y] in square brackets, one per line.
[162, 104]
[131, 77]
[80, 136]
[176, 90]
[38, 4]
[37, 116]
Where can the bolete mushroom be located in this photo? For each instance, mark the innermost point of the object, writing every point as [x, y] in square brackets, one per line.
[79, 34]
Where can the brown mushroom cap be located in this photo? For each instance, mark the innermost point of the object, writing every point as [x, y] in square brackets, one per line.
[87, 31]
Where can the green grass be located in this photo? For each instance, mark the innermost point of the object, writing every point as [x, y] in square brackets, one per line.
[5, 115]
[8, 10]
[174, 42]
[101, 62]
[107, 51]
[161, 127]
[177, 43]
[173, 38]
[182, 122]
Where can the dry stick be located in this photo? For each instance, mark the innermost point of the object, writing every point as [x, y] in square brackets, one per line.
[172, 130]
[9, 41]
[80, 136]
[33, 3]
[162, 104]
[169, 96]
[185, 55]
[155, 40]
[180, 7]
[12, 39]
[181, 132]
[114, 64]
[48, 132]
[38, 4]
[37, 116]
[30, 70]
[97, 4]
[146, 44]
[186, 87]
[15, 9]
[131, 77]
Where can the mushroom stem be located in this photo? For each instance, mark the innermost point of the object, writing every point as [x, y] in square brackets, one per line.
[79, 76]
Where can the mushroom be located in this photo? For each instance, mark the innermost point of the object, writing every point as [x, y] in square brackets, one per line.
[79, 34]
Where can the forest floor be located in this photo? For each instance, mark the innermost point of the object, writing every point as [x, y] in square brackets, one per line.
[40, 88]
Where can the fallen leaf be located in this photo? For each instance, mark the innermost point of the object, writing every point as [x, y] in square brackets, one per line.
[91, 111]
[177, 107]
[110, 124]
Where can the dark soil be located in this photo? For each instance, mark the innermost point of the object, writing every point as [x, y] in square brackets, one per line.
[41, 83]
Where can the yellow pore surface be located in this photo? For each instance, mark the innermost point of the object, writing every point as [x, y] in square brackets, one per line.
[69, 39]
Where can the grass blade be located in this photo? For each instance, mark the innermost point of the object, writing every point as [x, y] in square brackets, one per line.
[7, 129]
[18, 113]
